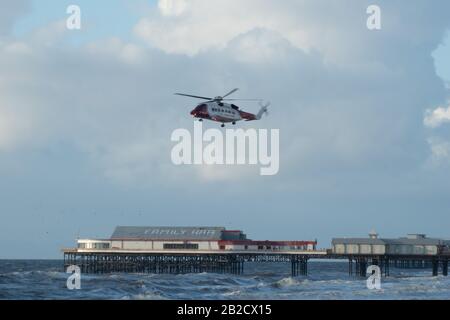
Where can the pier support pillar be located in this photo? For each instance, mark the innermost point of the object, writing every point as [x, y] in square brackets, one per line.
[294, 266]
[299, 266]
[435, 267]
[445, 267]
[350, 266]
[361, 267]
[387, 266]
[363, 271]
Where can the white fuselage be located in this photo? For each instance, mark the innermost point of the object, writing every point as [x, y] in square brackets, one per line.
[217, 111]
[223, 112]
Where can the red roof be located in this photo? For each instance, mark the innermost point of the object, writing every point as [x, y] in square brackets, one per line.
[266, 243]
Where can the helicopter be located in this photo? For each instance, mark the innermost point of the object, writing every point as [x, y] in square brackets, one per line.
[215, 109]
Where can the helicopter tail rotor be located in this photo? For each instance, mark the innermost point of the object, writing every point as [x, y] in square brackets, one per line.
[264, 110]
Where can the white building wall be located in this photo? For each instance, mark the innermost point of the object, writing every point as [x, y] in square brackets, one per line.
[418, 249]
[203, 245]
[408, 249]
[93, 244]
[352, 248]
[339, 249]
[378, 249]
[158, 245]
[431, 250]
[116, 244]
[365, 249]
[235, 247]
[137, 245]
[214, 245]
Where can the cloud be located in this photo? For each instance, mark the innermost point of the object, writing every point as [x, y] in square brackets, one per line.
[190, 27]
[87, 126]
[440, 150]
[341, 95]
[437, 117]
[338, 31]
[10, 13]
[14, 127]
[172, 7]
[259, 46]
[126, 52]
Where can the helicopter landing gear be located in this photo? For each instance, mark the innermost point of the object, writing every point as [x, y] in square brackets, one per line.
[223, 125]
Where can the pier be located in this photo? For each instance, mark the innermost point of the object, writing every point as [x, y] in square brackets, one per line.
[358, 264]
[233, 263]
[181, 262]
[162, 250]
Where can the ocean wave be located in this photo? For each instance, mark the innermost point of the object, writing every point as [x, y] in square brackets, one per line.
[145, 296]
[287, 282]
[44, 280]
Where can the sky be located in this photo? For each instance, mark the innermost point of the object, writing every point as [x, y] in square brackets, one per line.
[86, 118]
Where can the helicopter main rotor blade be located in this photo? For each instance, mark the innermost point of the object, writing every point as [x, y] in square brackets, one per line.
[191, 96]
[231, 92]
[243, 99]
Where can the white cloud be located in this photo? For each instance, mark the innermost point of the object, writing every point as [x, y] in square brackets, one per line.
[208, 25]
[341, 97]
[79, 122]
[336, 30]
[14, 128]
[10, 13]
[172, 7]
[440, 150]
[437, 117]
[259, 46]
[17, 47]
[115, 47]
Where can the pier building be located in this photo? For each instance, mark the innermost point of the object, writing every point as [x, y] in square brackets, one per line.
[216, 249]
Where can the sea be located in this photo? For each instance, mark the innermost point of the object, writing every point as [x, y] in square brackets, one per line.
[327, 280]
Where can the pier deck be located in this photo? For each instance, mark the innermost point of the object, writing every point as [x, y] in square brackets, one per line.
[223, 261]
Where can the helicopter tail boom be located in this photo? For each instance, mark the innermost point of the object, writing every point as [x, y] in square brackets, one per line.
[263, 110]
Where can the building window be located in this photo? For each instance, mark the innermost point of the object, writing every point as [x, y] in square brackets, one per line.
[222, 247]
[260, 247]
[180, 246]
[100, 245]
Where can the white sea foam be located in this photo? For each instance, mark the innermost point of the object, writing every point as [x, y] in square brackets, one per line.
[287, 282]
